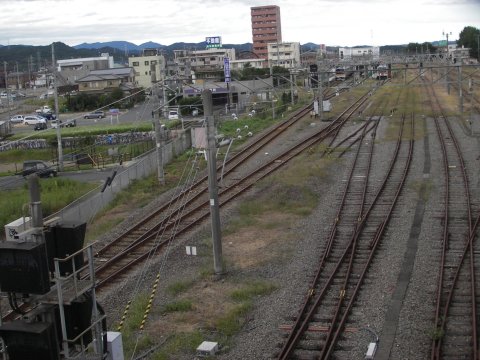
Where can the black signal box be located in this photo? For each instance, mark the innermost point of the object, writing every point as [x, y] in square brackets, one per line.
[23, 268]
[62, 241]
[28, 341]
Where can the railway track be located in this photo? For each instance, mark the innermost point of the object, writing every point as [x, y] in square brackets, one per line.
[191, 206]
[361, 220]
[455, 323]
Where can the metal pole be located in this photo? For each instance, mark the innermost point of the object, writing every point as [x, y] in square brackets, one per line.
[159, 135]
[291, 87]
[273, 104]
[320, 97]
[36, 208]
[460, 93]
[59, 136]
[212, 182]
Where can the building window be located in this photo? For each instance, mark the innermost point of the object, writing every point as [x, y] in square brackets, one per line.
[146, 72]
[146, 63]
[135, 63]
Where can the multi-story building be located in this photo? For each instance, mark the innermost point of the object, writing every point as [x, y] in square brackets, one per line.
[149, 68]
[285, 54]
[254, 63]
[70, 70]
[266, 28]
[205, 64]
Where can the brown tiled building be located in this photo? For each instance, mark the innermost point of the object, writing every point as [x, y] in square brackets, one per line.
[266, 28]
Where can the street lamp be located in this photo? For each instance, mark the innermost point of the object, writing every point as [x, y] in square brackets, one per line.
[447, 33]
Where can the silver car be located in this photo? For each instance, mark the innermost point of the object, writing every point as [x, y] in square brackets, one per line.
[17, 119]
[33, 120]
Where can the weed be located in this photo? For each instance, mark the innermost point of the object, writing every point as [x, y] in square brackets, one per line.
[179, 287]
[178, 306]
[251, 290]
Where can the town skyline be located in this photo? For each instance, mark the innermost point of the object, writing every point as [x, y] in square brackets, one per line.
[344, 23]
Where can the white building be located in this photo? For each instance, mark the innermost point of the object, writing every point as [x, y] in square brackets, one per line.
[149, 68]
[367, 52]
[70, 70]
[254, 63]
[285, 54]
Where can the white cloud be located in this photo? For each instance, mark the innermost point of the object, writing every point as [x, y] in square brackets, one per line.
[339, 22]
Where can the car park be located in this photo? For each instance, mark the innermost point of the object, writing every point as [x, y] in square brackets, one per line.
[95, 115]
[17, 119]
[39, 167]
[33, 120]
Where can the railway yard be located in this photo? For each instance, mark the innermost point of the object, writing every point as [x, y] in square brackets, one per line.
[350, 238]
[364, 228]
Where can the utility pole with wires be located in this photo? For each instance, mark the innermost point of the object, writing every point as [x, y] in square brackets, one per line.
[212, 182]
[59, 136]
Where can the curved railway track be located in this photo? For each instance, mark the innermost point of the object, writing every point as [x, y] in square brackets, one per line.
[190, 207]
[456, 333]
[354, 237]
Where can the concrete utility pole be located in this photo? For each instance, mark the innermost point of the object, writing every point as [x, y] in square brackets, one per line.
[460, 93]
[320, 96]
[36, 208]
[160, 140]
[55, 94]
[212, 182]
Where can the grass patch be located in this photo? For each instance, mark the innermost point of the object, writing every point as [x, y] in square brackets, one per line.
[132, 339]
[252, 290]
[231, 322]
[56, 193]
[179, 287]
[20, 155]
[178, 306]
[179, 343]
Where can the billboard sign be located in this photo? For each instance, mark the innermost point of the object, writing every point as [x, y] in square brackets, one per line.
[214, 42]
[226, 69]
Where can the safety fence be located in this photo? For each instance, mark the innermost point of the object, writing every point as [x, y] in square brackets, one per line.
[85, 208]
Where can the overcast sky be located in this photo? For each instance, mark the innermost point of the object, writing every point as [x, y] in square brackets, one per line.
[330, 22]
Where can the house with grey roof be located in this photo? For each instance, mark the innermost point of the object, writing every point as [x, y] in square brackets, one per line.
[104, 81]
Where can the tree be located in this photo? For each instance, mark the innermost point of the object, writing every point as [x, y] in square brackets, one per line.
[469, 38]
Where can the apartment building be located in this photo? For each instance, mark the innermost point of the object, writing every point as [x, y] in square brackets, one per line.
[266, 28]
[207, 64]
[149, 67]
[286, 54]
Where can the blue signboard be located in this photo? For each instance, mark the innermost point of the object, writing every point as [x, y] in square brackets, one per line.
[226, 69]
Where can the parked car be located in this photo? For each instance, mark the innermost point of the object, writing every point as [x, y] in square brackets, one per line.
[47, 116]
[39, 167]
[33, 120]
[40, 126]
[173, 115]
[95, 115]
[44, 110]
[71, 123]
[54, 124]
[17, 119]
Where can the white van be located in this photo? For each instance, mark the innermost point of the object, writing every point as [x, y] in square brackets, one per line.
[173, 115]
